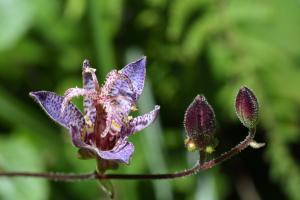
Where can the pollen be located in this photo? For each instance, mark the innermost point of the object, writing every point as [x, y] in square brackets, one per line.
[89, 124]
[209, 149]
[190, 144]
[83, 134]
[115, 126]
[133, 108]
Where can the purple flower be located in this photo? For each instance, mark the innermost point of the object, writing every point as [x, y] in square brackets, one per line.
[104, 127]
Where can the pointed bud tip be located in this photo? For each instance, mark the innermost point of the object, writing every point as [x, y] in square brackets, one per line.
[200, 98]
[199, 121]
[247, 107]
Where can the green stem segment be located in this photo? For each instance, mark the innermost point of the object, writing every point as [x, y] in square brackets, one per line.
[94, 175]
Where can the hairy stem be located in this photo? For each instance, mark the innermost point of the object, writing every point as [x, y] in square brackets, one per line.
[94, 175]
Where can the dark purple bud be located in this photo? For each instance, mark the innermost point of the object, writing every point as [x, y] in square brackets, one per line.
[199, 122]
[246, 107]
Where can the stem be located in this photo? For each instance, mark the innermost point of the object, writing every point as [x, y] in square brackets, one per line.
[94, 175]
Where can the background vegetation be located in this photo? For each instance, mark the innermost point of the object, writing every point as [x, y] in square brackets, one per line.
[210, 47]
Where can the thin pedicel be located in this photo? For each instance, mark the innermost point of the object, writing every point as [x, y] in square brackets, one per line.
[94, 175]
[101, 132]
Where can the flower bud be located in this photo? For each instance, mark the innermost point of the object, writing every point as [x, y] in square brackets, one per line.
[246, 107]
[199, 122]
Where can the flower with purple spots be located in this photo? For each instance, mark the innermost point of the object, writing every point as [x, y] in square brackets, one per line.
[103, 129]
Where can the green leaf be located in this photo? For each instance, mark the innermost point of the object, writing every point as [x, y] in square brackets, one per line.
[19, 154]
[15, 18]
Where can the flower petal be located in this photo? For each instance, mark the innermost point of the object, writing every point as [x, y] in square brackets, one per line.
[90, 82]
[136, 72]
[75, 132]
[120, 92]
[70, 94]
[141, 122]
[122, 154]
[51, 104]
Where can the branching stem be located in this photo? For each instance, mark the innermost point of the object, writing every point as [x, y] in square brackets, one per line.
[94, 175]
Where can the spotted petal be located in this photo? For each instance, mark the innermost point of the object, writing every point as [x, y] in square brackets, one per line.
[122, 96]
[141, 122]
[51, 104]
[136, 72]
[90, 82]
[122, 154]
[76, 139]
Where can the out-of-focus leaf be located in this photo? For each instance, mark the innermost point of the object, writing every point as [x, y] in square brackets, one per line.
[206, 187]
[105, 16]
[19, 154]
[152, 141]
[16, 113]
[179, 13]
[15, 18]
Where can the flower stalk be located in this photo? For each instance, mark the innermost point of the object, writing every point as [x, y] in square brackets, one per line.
[101, 132]
[97, 176]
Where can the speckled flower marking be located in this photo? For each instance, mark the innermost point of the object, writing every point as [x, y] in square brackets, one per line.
[104, 127]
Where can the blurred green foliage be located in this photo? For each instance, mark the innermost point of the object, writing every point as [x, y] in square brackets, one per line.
[193, 46]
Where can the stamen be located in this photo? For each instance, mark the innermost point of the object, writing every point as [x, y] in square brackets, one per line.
[133, 108]
[115, 126]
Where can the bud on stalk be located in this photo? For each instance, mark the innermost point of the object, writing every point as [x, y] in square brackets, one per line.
[200, 124]
[246, 107]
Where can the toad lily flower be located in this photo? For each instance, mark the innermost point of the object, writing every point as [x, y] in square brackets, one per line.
[103, 130]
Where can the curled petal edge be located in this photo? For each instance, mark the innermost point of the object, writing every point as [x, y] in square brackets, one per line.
[122, 153]
[141, 122]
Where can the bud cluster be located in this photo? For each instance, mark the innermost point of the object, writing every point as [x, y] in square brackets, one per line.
[200, 122]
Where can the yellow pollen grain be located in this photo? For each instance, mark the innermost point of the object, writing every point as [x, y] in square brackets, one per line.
[82, 134]
[133, 108]
[89, 124]
[190, 144]
[115, 126]
[129, 118]
[88, 120]
[209, 149]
